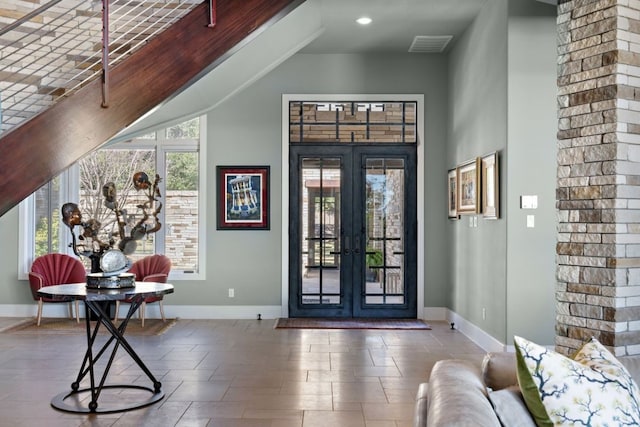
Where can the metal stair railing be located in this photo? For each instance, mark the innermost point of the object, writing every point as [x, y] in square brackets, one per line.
[56, 48]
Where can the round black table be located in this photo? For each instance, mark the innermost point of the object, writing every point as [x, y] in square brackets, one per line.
[95, 301]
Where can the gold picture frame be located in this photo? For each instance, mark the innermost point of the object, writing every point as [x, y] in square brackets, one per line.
[452, 192]
[490, 186]
[468, 180]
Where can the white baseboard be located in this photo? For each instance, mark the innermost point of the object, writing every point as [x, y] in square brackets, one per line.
[221, 311]
[471, 331]
[153, 311]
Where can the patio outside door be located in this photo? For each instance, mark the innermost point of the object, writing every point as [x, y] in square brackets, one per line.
[352, 231]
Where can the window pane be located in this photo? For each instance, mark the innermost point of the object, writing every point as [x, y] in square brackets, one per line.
[185, 130]
[47, 217]
[352, 122]
[181, 210]
[117, 166]
[151, 135]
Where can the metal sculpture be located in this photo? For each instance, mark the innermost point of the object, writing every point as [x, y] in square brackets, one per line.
[106, 257]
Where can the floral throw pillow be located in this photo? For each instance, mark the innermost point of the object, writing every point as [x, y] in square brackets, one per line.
[592, 389]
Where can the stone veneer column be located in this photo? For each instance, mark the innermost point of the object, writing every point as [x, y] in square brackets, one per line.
[598, 190]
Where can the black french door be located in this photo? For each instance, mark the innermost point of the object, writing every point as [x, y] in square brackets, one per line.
[352, 231]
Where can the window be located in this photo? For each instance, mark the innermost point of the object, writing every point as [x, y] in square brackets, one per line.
[352, 122]
[175, 153]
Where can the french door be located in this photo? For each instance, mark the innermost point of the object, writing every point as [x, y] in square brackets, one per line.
[352, 231]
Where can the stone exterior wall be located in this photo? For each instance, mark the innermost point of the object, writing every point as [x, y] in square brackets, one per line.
[598, 191]
[182, 229]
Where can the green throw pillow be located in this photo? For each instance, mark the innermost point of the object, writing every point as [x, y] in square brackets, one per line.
[592, 389]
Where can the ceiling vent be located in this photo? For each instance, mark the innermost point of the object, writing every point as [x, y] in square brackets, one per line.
[429, 44]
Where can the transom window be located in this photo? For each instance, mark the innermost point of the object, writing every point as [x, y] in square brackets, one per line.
[352, 122]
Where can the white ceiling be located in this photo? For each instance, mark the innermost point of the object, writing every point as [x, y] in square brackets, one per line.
[395, 23]
[317, 26]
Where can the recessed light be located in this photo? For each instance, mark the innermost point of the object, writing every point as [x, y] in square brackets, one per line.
[365, 20]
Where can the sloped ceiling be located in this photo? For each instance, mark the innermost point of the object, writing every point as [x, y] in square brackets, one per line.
[238, 70]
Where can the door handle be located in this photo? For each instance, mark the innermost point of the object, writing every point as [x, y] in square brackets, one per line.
[356, 248]
[346, 245]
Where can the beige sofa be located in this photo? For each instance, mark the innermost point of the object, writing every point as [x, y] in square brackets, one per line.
[461, 393]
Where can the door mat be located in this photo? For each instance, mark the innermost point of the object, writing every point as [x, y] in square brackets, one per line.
[318, 323]
[60, 326]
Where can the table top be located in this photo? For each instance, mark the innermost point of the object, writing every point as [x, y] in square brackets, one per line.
[79, 291]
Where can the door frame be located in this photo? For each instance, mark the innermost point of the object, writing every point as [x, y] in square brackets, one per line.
[286, 98]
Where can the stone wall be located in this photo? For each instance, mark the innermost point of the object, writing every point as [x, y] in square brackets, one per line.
[181, 213]
[598, 191]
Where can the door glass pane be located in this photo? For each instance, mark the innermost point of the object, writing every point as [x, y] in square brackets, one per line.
[320, 220]
[384, 219]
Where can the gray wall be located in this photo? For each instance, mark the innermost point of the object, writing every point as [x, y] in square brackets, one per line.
[494, 91]
[247, 130]
[502, 97]
[13, 290]
[532, 171]
[477, 126]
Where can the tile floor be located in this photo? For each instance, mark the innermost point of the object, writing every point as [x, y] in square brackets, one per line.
[237, 373]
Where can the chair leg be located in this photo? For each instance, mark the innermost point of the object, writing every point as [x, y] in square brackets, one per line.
[70, 308]
[77, 311]
[164, 319]
[143, 308]
[39, 312]
[115, 318]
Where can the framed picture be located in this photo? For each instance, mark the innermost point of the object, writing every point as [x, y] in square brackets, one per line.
[243, 197]
[490, 184]
[452, 192]
[468, 176]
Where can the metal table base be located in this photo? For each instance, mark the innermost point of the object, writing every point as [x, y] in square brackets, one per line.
[76, 400]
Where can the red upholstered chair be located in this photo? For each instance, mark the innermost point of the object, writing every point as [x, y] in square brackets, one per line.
[55, 269]
[153, 268]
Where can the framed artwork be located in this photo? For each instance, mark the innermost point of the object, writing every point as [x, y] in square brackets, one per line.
[243, 197]
[490, 184]
[452, 192]
[468, 176]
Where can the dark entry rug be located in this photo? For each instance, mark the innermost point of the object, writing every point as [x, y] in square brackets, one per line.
[53, 326]
[317, 323]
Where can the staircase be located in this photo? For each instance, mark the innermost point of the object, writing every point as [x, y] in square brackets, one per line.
[152, 67]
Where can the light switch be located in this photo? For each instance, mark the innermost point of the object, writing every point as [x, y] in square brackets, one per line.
[529, 202]
[531, 221]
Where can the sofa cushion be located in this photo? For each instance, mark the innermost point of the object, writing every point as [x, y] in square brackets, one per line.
[593, 388]
[458, 397]
[510, 407]
[499, 370]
